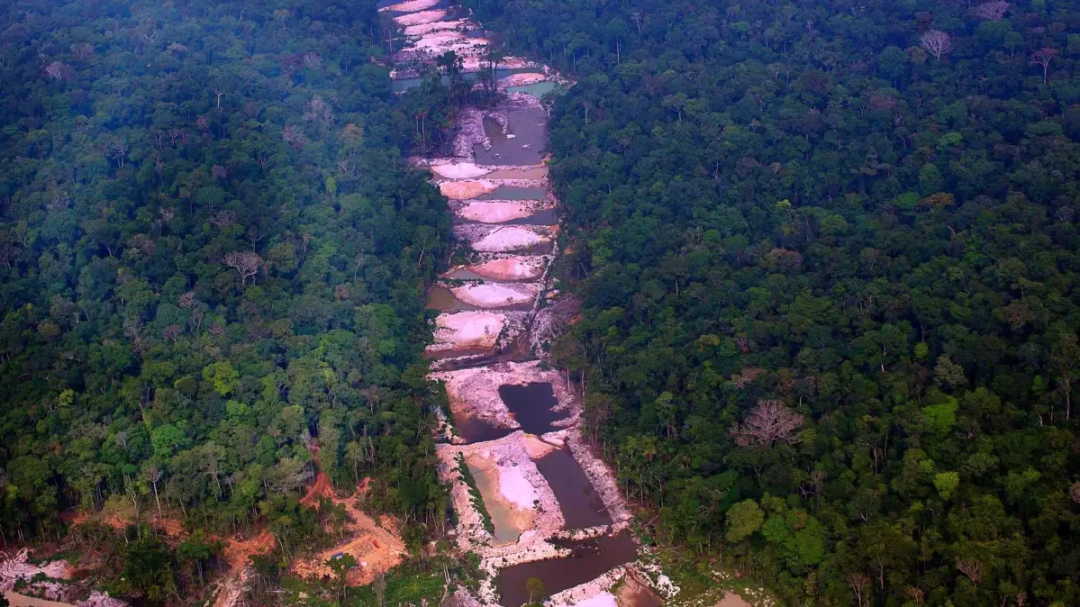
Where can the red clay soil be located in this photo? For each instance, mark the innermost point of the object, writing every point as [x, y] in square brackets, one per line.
[376, 546]
[319, 489]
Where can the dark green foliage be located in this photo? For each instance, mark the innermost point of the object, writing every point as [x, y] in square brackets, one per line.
[795, 202]
[213, 257]
[474, 494]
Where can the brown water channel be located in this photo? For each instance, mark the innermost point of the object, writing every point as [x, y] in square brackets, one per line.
[529, 129]
[543, 217]
[478, 430]
[532, 406]
[580, 503]
[591, 558]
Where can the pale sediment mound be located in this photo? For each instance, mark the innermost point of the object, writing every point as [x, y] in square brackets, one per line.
[537, 448]
[472, 397]
[466, 330]
[496, 212]
[509, 238]
[439, 42]
[463, 190]
[594, 593]
[420, 18]
[459, 170]
[495, 295]
[475, 391]
[522, 79]
[475, 64]
[438, 26]
[409, 6]
[603, 599]
[512, 268]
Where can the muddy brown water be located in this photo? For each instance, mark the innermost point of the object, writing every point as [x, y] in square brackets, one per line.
[591, 559]
[529, 129]
[507, 192]
[532, 406]
[479, 430]
[441, 298]
[580, 503]
[544, 217]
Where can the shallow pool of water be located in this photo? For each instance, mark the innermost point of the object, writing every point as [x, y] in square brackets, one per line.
[532, 406]
[592, 559]
[477, 430]
[502, 517]
[536, 89]
[529, 129]
[545, 217]
[580, 503]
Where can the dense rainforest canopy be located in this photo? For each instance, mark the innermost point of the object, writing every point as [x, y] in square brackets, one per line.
[212, 264]
[828, 253]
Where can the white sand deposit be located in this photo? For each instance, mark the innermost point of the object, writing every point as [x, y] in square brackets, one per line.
[604, 599]
[459, 170]
[537, 448]
[439, 42]
[409, 6]
[463, 190]
[463, 330]
[496, 212]
[421, 17]
[512, 268]
[495, 295]
[515, 488]
[510, 238]
[438, 26]
[522, 79]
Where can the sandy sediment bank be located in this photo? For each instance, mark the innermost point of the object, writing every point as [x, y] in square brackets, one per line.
[409, 6]
[471, 395]
[467, 331]
[464, 190]
[520, 267]
[438, 26]
[492, 211]
[590, 594]
[420, 18]
[459, 170]
[503, 239]
[438, 42]
[494, 295]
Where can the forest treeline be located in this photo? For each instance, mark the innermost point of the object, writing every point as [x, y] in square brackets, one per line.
[828, 254]
[213, 258]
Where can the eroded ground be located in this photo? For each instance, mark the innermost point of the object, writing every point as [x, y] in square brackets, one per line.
[540, 504]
